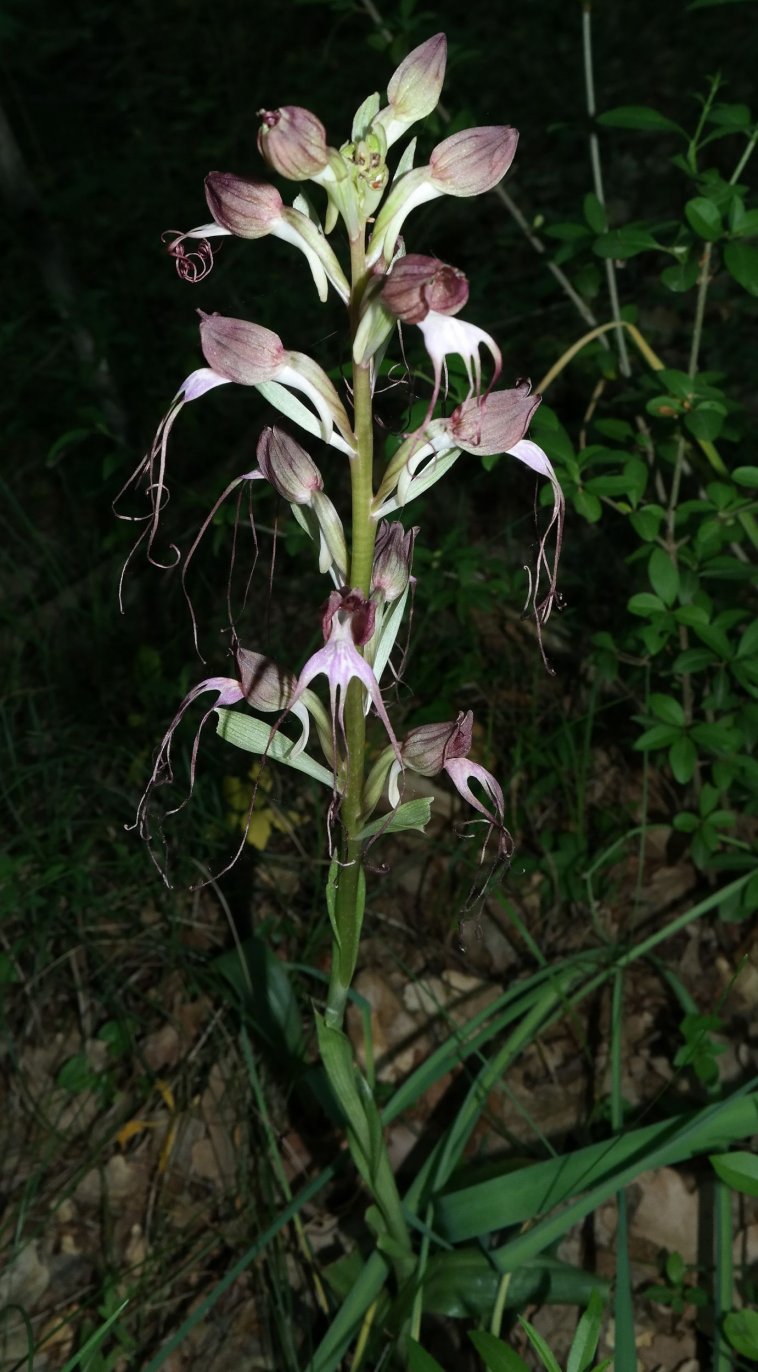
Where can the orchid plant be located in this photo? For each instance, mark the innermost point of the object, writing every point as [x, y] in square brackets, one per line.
[367, 558]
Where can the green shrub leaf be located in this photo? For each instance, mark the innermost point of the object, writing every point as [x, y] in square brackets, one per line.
[637, 117]
[704, 218]
[683, 759]
[664, 576]
[623, 243]
[595, 213]
[742, 262]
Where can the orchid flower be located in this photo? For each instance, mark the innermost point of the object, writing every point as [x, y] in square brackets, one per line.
[249, 355]
[498, 427]
[426, 292]
[443, 336]
[348, 621]
[253, 209]
[434, 748]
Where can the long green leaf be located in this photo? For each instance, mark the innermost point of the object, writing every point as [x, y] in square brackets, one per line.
[473, 1036]
[253, 736]
[496, 1355]
[464, 1284]
[347, 1321]
[735, 1118]
[540, 1345]
[625, 1347]
[585, 1340]
[412, 814]
[522, 1196]
[421, 1361]
[95, 1340]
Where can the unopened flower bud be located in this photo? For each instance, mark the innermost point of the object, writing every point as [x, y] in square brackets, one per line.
[287, 466]
[415, 87]
[418, 284]
[249, 209]
[428, 748]
[474, 160]
[240, 351]
[392, 560]
[293, 142]
[496, 425]
[266, 686]
[466, 163]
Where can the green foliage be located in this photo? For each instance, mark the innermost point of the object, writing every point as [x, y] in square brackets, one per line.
[738, 1170]
[676, 1291]
[741, 1329]
[688, 642]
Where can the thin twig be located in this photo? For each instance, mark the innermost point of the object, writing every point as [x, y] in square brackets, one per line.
[597, 178]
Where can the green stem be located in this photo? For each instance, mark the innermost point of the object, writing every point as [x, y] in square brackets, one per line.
[723, 1360]
[361, 561]
[597, 179]
[365, 1135]
[745, 158]
[695, 139]
[704, 280]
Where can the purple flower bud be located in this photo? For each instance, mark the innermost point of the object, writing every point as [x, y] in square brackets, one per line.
[415, 86]
[265, 686]
[240, 351]
[496, 425]
[249, 209]
[287, 466]
[293, 142]
[418, 284]
[392, 559]
[428, 748]
[474, 160]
